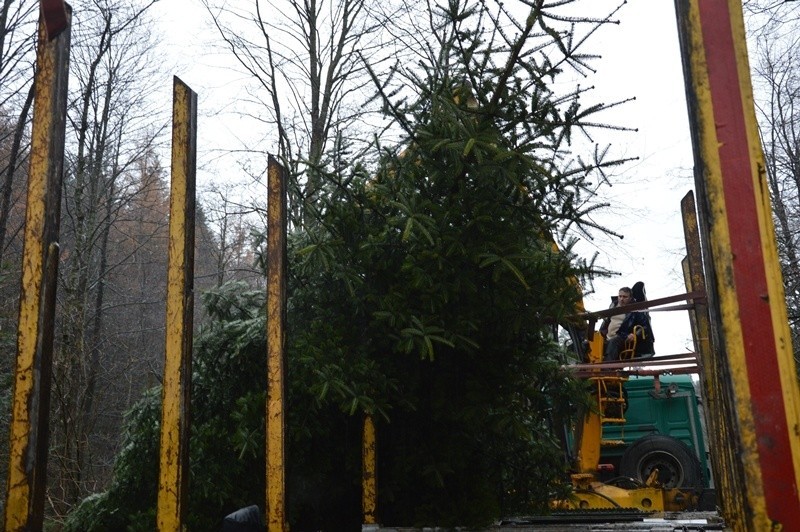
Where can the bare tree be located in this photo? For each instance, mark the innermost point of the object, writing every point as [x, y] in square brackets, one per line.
[767, 16]
[309, 80]
[13, 166]
[17, 41]
[112, 127]
[230, 246]
[775, 37]
[17, 55]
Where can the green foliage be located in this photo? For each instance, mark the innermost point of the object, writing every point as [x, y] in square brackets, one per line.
[440, 272]
[130, 502]
[8, 337]
[227, 435]
[423, 293]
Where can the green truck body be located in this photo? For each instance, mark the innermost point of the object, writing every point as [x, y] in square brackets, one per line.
[673, 409]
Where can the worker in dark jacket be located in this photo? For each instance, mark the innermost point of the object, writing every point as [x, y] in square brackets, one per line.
[644, 342]
[634, 324]
[611, 325]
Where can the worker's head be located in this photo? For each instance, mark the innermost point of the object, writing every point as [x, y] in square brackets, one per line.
[624, 297]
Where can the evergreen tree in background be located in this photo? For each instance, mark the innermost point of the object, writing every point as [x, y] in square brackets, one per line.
[424, 293]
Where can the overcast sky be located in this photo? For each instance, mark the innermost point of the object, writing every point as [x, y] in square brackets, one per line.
[641, 59]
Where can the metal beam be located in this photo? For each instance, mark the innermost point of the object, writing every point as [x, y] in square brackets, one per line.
[29, 433]
[369, 473]
[54, 14]
[746, 299]
[176, 391]
[714, 384]
[276, 347]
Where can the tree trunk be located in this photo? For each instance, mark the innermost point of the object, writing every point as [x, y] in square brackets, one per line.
[5, 206]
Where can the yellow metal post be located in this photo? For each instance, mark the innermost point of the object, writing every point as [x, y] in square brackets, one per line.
[176, 391]
[28, 438]
[276, 346]
[756, 369]
[715, 390]
[687, 279]
[369, 472]
[589, 433]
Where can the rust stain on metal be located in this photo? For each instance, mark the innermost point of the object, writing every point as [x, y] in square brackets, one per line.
[369, 460]
[719, 412]
[760, 461]
[716, 373]
[28, 431]
[176, 388]
[276, 346]
[56, 19]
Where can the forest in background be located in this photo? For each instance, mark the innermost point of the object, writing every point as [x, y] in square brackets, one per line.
[110, 316]
[112, 273]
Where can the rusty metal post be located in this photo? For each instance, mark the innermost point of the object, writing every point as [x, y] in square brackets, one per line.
[369, 481]
[56, 15]
[687, 280]
[746, 298]
[276, 347]
[715, 390]
[695, 282]
[29, 432]
[176, 391]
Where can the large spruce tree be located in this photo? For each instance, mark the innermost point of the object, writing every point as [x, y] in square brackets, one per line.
[424, 293]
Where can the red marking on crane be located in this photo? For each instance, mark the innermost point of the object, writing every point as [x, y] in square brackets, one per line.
[749, 269]
[54, 13]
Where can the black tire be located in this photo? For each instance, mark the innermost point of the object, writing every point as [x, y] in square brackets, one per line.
[678, 466]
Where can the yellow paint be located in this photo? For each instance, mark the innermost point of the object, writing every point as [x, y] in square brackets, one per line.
[596, 345]
[719, 412]
[370, 477]
[174, 420]
[590, 494]
[589, 443]
[22, 468]
[769, 250]
[590, 432]
[687, 278]
[720, 245]
[718, 417]
[276, 473]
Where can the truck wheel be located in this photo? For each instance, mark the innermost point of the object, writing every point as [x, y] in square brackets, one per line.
[678, 466]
